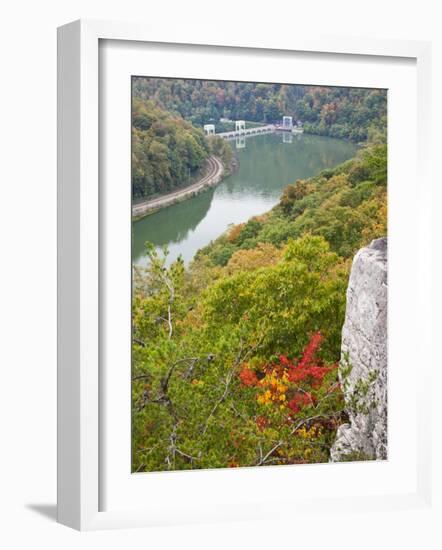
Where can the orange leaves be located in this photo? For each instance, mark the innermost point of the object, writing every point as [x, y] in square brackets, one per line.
[235, 232]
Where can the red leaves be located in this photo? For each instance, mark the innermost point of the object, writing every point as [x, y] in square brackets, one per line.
[300, 400]
[248, 376]
[310, 350]
[313, 374]
[294, 395]
[285, 362]
[289, 384]
[309, 369]
[262, 422]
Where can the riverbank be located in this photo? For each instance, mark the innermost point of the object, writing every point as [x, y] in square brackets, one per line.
[213, 176]
[263, 170]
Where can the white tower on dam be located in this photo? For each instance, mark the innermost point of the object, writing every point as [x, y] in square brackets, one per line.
[287, 123]
[209, 129]
[240, 125]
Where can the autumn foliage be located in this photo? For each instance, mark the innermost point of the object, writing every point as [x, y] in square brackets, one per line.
[295, 388]
[229, 366]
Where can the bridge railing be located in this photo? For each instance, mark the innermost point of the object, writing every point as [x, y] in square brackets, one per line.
[247, 131]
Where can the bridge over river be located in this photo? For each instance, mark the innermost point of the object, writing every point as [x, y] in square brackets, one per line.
[267, 129]
[241, 130]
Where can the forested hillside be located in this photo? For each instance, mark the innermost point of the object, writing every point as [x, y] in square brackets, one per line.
[347, 206]
[351, 113]
[167, 151]
[235, 359]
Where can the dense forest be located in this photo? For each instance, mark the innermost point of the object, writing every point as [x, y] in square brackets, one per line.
[350, 113]
[235, 358]
[347, 206]
[167, 151]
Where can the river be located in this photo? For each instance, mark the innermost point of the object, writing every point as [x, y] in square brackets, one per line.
[267, 163]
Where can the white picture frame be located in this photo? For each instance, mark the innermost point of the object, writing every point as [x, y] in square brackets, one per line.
[79, 267]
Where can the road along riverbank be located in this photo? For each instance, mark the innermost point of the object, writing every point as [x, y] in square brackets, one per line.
[213, 176]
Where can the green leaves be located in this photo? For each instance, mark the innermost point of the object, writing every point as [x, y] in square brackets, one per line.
[166, 150]
[303, 292]
[349, 113]
[255, 294]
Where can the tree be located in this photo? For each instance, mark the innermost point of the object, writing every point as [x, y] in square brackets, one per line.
[348, 113]
[166, 150]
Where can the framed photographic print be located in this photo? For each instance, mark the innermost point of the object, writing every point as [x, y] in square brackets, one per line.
[240, 279]
[234, 221]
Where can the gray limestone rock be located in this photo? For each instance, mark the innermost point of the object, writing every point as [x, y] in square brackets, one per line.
[364, 347]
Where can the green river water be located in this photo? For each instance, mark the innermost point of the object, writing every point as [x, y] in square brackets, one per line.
[267, 163]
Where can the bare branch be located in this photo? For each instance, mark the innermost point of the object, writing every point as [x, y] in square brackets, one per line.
[185, 455]
[238, 359]
[226, 389]
[190, 360]
[139, 342]
[282, 442]
[170, 457]
[141, 377]
[169, 284]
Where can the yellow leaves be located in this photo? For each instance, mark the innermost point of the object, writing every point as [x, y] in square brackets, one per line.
[234, 232]
[265, 398]
[311, 433]
[263, 255]
[376, 212]
[275, 392]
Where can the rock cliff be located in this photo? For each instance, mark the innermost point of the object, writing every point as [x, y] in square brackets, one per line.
[364, 347]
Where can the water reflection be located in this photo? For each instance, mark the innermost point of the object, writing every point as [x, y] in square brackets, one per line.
[171, 225]
[266, 165]
[240, 142]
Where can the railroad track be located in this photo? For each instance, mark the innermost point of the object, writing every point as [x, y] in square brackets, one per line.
[212, 177]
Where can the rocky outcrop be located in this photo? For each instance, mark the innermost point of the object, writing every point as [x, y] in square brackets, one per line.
[364, 348]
